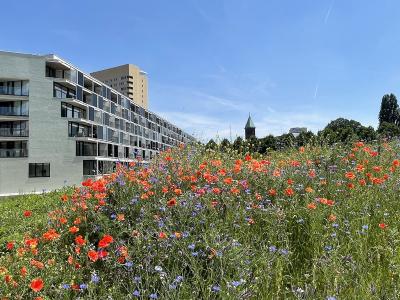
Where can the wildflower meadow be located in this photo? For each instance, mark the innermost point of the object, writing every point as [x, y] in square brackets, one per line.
[307, 223]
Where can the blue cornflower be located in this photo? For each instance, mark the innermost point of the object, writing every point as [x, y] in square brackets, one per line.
[153, 296]
[335, 225]
[328, 248]
[272, 248]
[333, 234]
[83, 286]
[191, 246]
[136, 293]
[195, 253]
[113, 216]
[236, 283]
[134, 200]
[95, 278]
[158, 268]
[216, 288]
[137, 279]
[365, 227]
[66, 286]
[284, 251]
[185, 234]
[330, 298]
[128, 264]
[179, 278]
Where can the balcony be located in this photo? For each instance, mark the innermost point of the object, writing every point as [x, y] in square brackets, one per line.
[12, 132]
[16, 129]
[60, 71]
[13, 149]
[13, 112]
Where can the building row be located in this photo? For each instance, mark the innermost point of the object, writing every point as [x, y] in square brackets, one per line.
[59, 125]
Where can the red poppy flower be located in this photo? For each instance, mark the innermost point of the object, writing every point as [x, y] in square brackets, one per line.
[37, 284]
[10, 245]
[103, 254]
[93, 256]
[171, 202]
[382, 225]
[27, 213]
[79, 240]
[289, 192]
[105, 241]
[162, 235]
[73, 229]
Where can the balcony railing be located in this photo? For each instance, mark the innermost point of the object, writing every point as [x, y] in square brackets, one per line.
[13, 91]
[11, 132]
[14, 111]
[7, 153]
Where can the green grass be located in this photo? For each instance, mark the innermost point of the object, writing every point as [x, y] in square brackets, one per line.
[13, 224]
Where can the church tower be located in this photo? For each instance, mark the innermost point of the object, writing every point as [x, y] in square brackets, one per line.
[250, 129]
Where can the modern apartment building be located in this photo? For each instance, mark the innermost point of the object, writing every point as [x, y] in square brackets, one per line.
[59, 125]
[129, 80]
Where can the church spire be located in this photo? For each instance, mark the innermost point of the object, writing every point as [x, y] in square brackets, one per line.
[249, 129]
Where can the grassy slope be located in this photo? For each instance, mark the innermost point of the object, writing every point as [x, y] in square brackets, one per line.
[13, 224]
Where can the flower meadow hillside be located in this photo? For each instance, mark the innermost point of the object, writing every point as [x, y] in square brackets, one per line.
[310, 223]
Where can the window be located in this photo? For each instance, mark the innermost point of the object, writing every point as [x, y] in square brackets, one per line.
[89, 167]
[79, 94]
[62, 92]
[86, 149]
[14, 108]
[100, 103]
[78, 130]
[39, 170]
[80, 78]
[15, 88]
[91, 113]
[98, 132]
[70, 111]
[14, 129]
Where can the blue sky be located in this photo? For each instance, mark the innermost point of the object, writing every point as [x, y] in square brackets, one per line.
[211, 62]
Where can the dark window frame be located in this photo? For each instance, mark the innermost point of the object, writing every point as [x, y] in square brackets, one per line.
[39, 170]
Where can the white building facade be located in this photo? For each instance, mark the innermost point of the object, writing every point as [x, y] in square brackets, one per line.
[59, 126]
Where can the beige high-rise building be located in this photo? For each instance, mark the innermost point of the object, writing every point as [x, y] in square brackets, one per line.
[127, 79]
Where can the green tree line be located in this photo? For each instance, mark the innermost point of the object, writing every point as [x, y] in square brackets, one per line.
[340, 130]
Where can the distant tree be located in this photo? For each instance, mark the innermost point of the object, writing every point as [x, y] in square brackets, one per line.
[344, 131]
[286, 140]
[389, 110]
[225, 144]
[304, 138]
[267, 143]
[367, 133]
[238, 144]
[251, 144]
[388, 130]
[211, 145]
